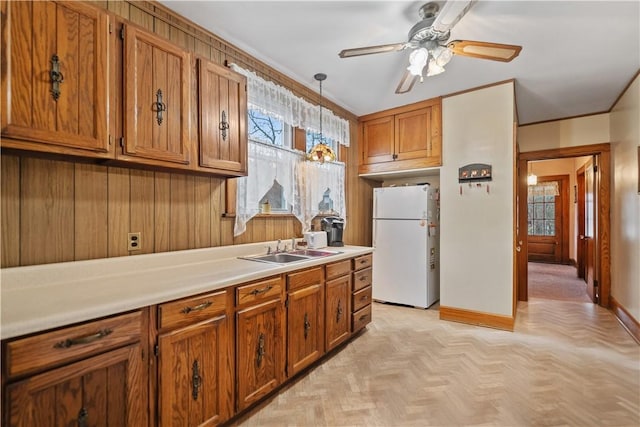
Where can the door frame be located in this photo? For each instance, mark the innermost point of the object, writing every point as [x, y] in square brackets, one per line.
[580, 222]
[603, 197]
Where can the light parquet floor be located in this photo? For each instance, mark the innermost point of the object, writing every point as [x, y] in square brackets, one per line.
[566, 364]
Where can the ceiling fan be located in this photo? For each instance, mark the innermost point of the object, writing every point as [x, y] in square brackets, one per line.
[428, 39]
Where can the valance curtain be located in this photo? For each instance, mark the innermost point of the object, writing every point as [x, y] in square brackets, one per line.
[304, 185]
[549, 188]
[270, 98]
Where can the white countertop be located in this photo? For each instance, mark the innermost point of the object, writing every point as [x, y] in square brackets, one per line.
[41, 297]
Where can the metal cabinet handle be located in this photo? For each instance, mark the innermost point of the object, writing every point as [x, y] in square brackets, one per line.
[364, 316]
[198, 307]
[261, 291]
[261, 351]
[56, 77]
[307, 325]
[196, 380]
[159, 106]
[84, 339]
[339, 311]
[224, 125]
[83, 417]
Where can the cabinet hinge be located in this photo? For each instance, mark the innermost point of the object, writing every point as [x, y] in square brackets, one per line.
[121, 141]
[110, 139]
[122, 32]
[286, 303]
[156, 350]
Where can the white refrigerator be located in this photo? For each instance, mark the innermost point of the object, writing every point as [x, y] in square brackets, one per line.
[406, 239]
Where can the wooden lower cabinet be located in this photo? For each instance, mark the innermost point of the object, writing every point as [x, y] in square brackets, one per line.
[361, 292]
[337, 304]
[85, 375]
[193, 366]
[260, 341]
[305, 319]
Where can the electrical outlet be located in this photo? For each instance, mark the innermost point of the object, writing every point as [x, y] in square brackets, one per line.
[133, 242]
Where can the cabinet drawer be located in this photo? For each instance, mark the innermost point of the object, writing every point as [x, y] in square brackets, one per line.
[51, 349]
[191, 310]
[361, 298]
[259, 291]
[361, 279]
[361, 318]
[338, 269]
[304, 278]
[361, 262]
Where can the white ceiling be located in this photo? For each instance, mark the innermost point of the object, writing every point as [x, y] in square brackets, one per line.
[577, 56]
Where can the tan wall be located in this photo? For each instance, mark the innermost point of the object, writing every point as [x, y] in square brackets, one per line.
[625, 203]
[564, 133]
[55, 211]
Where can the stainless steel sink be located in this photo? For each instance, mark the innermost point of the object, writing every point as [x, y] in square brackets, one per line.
[288, 257]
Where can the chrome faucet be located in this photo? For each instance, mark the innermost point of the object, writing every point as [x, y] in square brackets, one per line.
[278, 250]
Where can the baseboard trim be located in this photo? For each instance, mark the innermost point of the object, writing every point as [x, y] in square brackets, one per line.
[626, 319]
[477, 318]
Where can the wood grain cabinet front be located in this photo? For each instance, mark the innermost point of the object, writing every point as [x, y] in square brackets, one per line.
[260, 340]
[338, 309]
[157, 100]
[402, 138]
[305, 318]
[55, 80]
[361, 292]
[194, 370]
[105, 382]
[222, 119]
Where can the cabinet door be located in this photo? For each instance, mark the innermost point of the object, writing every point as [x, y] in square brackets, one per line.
[259, 351]
[338, 310]
[55, 77]
[413, 134]
[192, 368]
[157, 99]
[305, 327]
[378, 140]
[222, 105]
[107, 390]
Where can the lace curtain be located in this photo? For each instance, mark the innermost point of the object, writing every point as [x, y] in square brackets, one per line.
[544, 189]
[320, 190]
[270, 98]
[304, 185]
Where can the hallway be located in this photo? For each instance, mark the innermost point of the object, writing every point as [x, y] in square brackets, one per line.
[566, 363]
[556, 282]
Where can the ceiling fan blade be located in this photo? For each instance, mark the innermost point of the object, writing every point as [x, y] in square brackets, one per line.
[406, 82]
[359, 51]
[451, 13]
[485, 50]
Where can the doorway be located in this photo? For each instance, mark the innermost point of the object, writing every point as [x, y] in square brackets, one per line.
[593, 242]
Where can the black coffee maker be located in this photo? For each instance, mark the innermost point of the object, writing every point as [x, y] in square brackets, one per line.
[334, 226]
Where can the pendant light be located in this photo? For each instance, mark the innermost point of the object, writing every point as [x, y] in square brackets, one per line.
[321, 152]
[532, 179]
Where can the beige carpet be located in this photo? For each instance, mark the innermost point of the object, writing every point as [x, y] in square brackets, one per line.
[556, 282]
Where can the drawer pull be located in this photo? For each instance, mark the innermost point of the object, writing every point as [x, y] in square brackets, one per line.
[261, 291]
[362, 278]
[83, 340]
[339, 311]
[307, 325]
[198, 307]
[364, 297]
[363, 317]
[83, 417]
[363, 261]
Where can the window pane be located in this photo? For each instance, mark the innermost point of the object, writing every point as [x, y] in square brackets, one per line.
[530, 227]
[550, 228]
[549, 198]
[265, 128]
[538, 212]
[550, 211]
[538, 228]
[530, 210]
[538, 198]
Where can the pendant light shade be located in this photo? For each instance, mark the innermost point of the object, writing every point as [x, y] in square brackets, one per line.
[321, 152]
[532, 179]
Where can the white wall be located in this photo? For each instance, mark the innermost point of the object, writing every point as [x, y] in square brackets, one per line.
[564, 133]
[625, 203]
[477, 228]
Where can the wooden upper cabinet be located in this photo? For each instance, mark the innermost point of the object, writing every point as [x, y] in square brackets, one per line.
[157, 90]
[55, 78]
[222, 105]
[403, 138]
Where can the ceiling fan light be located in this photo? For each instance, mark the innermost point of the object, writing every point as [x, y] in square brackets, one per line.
[442, 55]
[434, 69]
[417, 60]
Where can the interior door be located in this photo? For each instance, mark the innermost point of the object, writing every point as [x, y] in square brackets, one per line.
[548, 221]
[580, 210]
[522, 251]
[590, 229]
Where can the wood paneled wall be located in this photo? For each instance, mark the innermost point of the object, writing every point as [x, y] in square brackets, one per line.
[55, 211]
